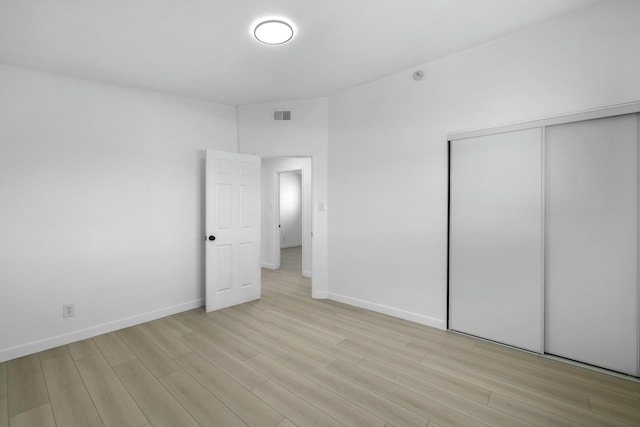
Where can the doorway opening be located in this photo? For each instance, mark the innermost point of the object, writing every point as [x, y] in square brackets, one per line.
[287, 221]
[290, 214]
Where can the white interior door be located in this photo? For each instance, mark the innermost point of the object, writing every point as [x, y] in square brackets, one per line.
[495, 264]
[592, 242]
[232, 228]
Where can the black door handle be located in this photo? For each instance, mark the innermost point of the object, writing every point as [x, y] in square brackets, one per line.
[212, 238]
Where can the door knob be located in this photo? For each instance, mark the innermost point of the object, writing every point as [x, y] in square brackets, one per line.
[212, 238]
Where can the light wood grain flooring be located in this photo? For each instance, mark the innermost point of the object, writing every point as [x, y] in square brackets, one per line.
[291, 259]
[288, 360]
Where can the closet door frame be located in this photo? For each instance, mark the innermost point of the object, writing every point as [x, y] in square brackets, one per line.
[542, 123]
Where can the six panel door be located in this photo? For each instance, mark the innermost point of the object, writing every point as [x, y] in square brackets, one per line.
[232, 229]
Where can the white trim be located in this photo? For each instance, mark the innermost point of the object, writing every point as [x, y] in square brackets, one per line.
[598, 113]
[391, 311]
[268, 265]
[320, 295]
[306, 274]
[312, 196]
[92, 331]
[638, 246]
[543, 236]
[276, 209]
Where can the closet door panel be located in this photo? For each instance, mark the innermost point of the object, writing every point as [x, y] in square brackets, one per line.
[591, 311]
[495, 269]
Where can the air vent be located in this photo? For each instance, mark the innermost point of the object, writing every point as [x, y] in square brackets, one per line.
[282, 115]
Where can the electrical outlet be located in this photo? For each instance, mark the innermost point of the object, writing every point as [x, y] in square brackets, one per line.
[68, 310]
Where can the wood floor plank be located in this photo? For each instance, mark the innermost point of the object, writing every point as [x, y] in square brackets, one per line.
[425, 380]
[247, 335]
[587, 378]
[80, 349]
[286, 423]
[157, 404]
[26, 388]
[241, 401]
[202, 326]
[436, 406]
[3, 380]
[291, 406]
[425, 346]
[468, 362]
[366, 349]
[361, 331]
[40, 416]
[540, 376]
[239, 371]
[158, 362]
[70, 400]
[323, 399]
[316, 343]
[622, 412]
[528, 413]
[522, 394]
[4, 412]
[608, 389]
[390, 323]
[173, 326]
[115, 406]
[299, 328]
[164, 339]
[283, 309]
[202, 405]
[288, 343]
[53, 352]
[363, 397]
[114, 349]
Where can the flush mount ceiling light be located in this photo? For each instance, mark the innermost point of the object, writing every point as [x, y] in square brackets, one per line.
[273, 31]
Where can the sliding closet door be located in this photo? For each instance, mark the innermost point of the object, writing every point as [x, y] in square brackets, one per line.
[592, 242]
[495, 257]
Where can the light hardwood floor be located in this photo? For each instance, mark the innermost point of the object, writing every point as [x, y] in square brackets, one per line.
[287, 360]
[291, 259]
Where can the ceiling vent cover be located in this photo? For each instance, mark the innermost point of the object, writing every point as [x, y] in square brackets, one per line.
[282, 115]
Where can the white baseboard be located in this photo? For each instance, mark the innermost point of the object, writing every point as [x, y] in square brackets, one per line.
[319, 295]
[268, 265]
[391, 311]
[90, 332]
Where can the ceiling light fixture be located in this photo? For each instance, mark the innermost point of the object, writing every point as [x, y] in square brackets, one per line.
[273, 31]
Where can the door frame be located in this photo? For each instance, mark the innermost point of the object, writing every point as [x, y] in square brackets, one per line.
[278, 243]
[313, 197]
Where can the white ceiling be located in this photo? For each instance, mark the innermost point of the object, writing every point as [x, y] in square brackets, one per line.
[204, 48]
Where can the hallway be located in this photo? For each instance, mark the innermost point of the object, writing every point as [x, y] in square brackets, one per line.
[291, 259]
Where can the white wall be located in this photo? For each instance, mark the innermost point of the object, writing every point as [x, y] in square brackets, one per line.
[305, 135]
[102, 206]
[290, 209]
[270, 169]
[387, 163]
